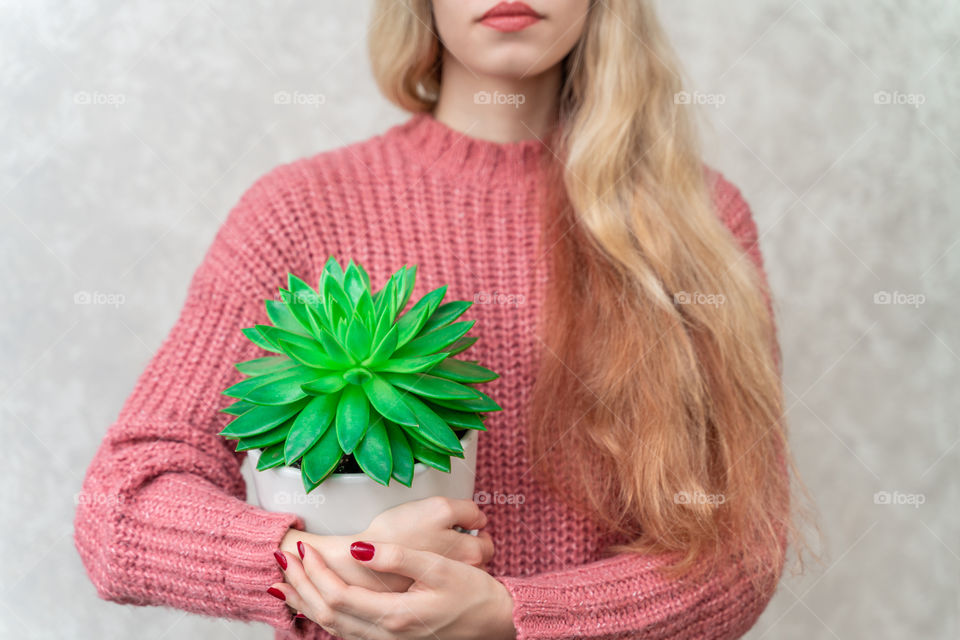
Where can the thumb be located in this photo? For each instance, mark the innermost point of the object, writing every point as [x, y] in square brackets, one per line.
[422, 566]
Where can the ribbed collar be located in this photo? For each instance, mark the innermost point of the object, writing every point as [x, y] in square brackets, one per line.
[442, 149]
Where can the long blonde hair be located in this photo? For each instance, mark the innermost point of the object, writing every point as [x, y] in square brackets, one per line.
[665, 423]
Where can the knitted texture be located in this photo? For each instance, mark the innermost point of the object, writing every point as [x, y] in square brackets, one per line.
[162, 519]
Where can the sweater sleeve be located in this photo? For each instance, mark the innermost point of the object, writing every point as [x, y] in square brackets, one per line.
[162, 517]
[629, 595]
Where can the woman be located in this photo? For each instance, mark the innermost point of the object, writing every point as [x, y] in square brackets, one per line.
[636, 481]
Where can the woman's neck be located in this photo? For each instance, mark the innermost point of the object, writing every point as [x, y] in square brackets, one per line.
[496, 108]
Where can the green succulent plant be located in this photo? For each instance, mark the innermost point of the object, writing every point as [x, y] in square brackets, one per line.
[353, 376]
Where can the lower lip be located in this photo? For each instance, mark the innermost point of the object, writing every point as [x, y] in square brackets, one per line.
[510, 23]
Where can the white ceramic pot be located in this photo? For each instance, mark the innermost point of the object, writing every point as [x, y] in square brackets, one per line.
[346, 503]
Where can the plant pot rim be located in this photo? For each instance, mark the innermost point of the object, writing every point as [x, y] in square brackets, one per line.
[353, 478]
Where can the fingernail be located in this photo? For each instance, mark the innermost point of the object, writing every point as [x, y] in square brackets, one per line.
[362, 550]
[300, 549]
[300, 616]
[276, 593]
[281, 560]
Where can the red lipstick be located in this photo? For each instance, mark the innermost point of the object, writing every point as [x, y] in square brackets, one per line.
[510, 16]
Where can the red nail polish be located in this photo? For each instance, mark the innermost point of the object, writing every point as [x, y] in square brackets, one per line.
[362, 550]
[281, 560]
[300, 549]
[300, 616]
[276, 593]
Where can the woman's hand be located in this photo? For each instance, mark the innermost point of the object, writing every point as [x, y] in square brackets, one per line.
[426, 525]
[448, 599]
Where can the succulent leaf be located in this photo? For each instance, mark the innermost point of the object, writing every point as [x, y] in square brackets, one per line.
[254, 335]
[373, 453]
[260, 419]
[445, 314]
[323, 457]
[431, 386]
[461, 419]
[481, 403]
[282, 316]
[460, 345]
[267, 438]
[385, 398]
[405, 286]
[332, 269]
[330, 383]
[353, 417]
[353, 284]
[267, 364]
[384, 348]
[238, 408]
[309, 425]
[412, 321]
[411, 365]
[298, 309]
[271, 457]
[430, 457]
[358, 340]
[402, 455]
[461, 371]
[335, 350]
[281, 391]
[432, 429]
[436, 340]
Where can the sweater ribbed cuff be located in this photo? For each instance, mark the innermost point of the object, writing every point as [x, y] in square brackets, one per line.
[537, 612]
[211, 552]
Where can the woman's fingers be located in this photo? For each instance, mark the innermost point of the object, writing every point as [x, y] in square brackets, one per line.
[486, 547]
[349, 600]
[473, 550]
[451, 512]
[312, 601]
[425, 567]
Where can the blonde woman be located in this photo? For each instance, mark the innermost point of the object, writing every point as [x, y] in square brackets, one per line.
[636, 483]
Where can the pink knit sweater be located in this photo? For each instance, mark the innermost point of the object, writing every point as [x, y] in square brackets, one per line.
[163, 520]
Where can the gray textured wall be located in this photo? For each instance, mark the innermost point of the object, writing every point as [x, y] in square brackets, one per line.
[130, 129]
